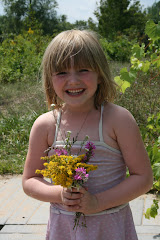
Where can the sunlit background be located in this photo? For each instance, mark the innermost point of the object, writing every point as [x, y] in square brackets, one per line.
[81, 10]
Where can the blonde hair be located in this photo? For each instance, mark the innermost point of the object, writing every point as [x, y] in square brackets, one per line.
[84, 47]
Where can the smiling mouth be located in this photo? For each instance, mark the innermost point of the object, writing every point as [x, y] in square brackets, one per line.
[75, 92]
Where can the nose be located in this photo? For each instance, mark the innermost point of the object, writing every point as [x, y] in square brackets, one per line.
[73, 78]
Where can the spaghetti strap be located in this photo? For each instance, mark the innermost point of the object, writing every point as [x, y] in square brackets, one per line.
[57, 127]
[100, 125]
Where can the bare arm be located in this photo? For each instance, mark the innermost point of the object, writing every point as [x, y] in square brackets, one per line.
[33, 184]
[135, 156]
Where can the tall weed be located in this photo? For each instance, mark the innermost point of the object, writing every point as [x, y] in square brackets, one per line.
[17, 115]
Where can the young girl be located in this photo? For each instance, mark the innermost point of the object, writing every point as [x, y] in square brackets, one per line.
[77, 80]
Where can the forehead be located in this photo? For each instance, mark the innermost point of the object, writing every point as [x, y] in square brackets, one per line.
[73, 48]
[77, 60]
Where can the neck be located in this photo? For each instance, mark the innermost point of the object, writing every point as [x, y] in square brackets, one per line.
[78, 110]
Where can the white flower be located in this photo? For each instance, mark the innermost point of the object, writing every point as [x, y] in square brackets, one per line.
[69, 132]
[140, 66]
[87, 149]
[53, 105]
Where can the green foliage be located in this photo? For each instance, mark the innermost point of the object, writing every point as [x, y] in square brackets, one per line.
[153, 12]
[151, 136]
[80, 24]
[92, 25]
[153, 30]
[145, 62]
[118, 50]
[141, 99]
[21, 104]
[128, 78]
[153, 128]
[23, 14]
[20, 56]
[15, 137]
[120, 16]
[153, 211]
[156, 169]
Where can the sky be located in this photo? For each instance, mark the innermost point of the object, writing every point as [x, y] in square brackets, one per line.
[81, 9]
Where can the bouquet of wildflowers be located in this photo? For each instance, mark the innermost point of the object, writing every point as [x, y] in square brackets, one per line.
[69, 170]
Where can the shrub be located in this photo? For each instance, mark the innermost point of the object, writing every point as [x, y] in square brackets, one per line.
[20, 56]
[119, 50]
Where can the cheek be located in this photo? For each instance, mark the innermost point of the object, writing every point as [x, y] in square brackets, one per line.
[93, 83]
[57, 85]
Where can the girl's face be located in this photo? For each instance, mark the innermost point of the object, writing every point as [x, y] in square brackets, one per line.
[76, 88]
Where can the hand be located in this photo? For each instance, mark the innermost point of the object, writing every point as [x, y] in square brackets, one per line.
[79, 200]
[88, 202]
[71, 199]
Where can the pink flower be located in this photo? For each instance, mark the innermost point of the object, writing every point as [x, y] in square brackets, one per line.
[81, 174]
[77, 177]
[90, 146]
[81, 170]
[61, 151]
[90, 153]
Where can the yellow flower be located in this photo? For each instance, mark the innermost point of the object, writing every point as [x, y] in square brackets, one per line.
[38, 171]
[69, 182]
[12, 42]
[70, 172]
[30, 31]
[61, 168]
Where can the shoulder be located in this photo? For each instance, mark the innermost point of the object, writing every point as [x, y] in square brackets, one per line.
[116, 110]
[44, 124]
[44, 120]
[43, 130]
[124, 126]
[121, 122]
[118, 115]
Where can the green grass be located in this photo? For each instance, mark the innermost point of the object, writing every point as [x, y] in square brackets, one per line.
[20, 105]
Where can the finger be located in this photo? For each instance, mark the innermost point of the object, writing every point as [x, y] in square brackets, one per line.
[85, 188]
[71, 190]
[70, 195]
[82, 190]
[74, 189]
[68, 190]
[74, 208]
[69, 202]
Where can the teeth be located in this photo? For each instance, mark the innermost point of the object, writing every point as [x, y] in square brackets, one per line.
[75, 91]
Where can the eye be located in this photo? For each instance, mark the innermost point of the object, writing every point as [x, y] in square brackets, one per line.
[61, 73]
[83, 70]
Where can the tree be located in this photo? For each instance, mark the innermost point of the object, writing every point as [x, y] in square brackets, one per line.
[154, 12]
[21, 14]
[11, 21]
[80, 24]
[63, 24]
[137, 19]
[115, 16]
[92, 25]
